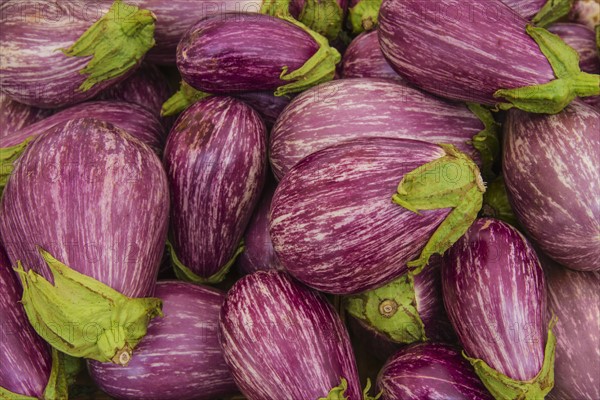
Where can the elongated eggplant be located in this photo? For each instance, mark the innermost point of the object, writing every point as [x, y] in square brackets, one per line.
[215, 159]
[57, 54]
[268, 53]
[354, 108]
[271, 325]
[430, 371]
[14, 116]
[495, 295]
[551, 175]
[574, 297]
[364, 59]
[180, 357]
[483, 52]
[334, 227]
[84, 219]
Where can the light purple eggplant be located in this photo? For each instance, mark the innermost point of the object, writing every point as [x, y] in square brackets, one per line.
[573, 297]
[180, 357]
[266, 104]
[363, 59]
[551, 175]
[525, 8]
[271, 325]
[495, 296]
[430, 371]
[15, 116]
[215, 159]
[585, 12]
[332, 221]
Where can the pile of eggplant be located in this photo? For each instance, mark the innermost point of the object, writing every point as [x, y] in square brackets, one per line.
[300, 200]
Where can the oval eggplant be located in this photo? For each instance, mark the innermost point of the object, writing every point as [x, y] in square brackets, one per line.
[430, 371]
[363, 59]
[215, 159]
[15, 116]
[495, 296]
[180, 357]
[551, 175]
[271, 325]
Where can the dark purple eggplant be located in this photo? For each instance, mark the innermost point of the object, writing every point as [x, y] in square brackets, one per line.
[61, 53]
[15, 116]
[553, 182]
[483, 52]
[430, 371]
[180, 357]
[238, 52]
[266, 104]
[87, 208]
[495, 296]
[585, 12]
[271, 325]
[364, 59]
[215, 160]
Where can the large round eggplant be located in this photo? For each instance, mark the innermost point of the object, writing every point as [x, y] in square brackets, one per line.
[14, 116]
[215, 159]
[86, 208]
[483, 52]
[356, 108]
[335, 227]
[271, 325]
[363, 59]
[430, 371]
[495, 295]
[60, 53]
[553, 182]
[180, 357]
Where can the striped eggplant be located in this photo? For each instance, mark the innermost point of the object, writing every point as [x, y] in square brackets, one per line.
[87, 208]
[271, 325]
[541, 12]
[215, 160]
[14, 115]
[266, 104]
[353, 108]
[495, 296]
[553, 182]
[60, 53]
[335, 228]
[483, 52]
[585, 12]
[574, 297]
[364, 59]
[430, 371]
[237, 52]
[180, 357]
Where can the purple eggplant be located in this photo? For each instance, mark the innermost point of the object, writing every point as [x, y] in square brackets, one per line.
[87, 208]
[525, 8]
[57, 54]
[540, 12]
[483, 52]
[266, 104]
[364, 59]
[585, 12]
[271, 325]
[354, 108]
[430, 371]
[215, 159]
[15, 116]
[495, 296]
[573, 297]
[268, 53]
[180, 357]
[551, 175]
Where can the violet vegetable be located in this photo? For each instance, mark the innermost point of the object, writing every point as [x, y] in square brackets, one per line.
[266, 104]
[363, 59]
[551, 175]
[14, 116]
[185, 340]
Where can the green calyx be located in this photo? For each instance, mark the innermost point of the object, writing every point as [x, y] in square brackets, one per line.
[364, 16]
[551, 12]
[486, 141]
[323, 16]
[554, 96]
[451, 181]
[391, 310]
[82, 317]
[8, 156]
[181, 100]
[339, 392]
[118, 41]
[504, 388]
[496, 203]
[184, 273]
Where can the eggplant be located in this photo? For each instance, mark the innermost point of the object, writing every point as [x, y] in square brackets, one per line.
[215, 160]
[541, 12]
[574, 298]
[585, 12]
[266, 104]
[363, 59]
[271, 325]
[68, 52]
[482, 52]
[430, 371]
[334, 227]
[495, 295]
[551, 175]
[14, 116]
[268, 53]
[354, 108]
[180, 357]
[84, 220]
